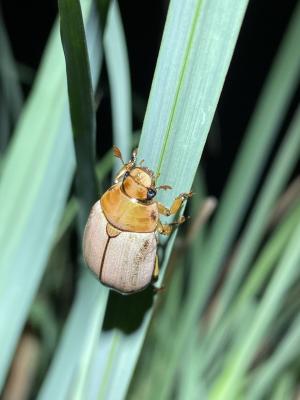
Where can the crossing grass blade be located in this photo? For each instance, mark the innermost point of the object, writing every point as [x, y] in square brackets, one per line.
[37, 133]
[85, 336]
[38, 169]
[65, 378]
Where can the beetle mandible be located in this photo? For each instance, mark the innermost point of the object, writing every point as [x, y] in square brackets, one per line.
[120, 237]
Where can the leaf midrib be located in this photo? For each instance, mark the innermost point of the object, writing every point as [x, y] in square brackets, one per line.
[179, 85]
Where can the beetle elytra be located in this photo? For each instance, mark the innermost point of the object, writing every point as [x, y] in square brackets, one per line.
[120, 237]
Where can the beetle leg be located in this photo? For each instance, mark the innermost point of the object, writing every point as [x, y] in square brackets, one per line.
[177, 203]
[159, 289]
[166, 229]
[155, 277]
[120, 174]
[156, 270]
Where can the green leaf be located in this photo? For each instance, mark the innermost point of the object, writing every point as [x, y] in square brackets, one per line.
[11, 98]
[84, 336]
[85, 316]
[192, 65]
[34, 185]
[78, 71]
[81, 100]
[119, 81]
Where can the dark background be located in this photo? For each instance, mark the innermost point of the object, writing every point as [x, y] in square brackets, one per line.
[29, 23]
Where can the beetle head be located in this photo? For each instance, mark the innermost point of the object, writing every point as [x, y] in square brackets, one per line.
[139, 183]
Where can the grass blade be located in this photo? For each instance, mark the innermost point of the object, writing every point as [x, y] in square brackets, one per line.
[264, 377]
[10, 89]
[81, 101]
[188, 80]
[269, 255]
[119, 80]
[280, 171]
[79, 363]
[260, 135]
[65, 370]
[40, 164]
[230, 381]
[19, 255]
[285, 388]
[261, 269]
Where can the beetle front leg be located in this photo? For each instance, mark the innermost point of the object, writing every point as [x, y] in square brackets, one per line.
[166, 229]
[121, 173]
[175, 207]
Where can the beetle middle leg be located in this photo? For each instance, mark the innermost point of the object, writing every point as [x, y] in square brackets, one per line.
[175, 207]
[166, 229]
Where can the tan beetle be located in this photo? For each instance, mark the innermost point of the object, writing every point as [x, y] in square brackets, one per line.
[120, 237]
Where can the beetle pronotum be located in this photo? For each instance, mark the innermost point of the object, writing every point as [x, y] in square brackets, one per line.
[120, 237]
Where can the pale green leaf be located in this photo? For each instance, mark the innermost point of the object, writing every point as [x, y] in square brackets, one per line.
[34, 185]
[196, 49]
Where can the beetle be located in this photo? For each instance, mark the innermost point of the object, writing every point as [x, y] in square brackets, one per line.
[121, 235]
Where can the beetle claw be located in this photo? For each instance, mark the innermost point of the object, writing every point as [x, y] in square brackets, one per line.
[185, 195]
[159, 289]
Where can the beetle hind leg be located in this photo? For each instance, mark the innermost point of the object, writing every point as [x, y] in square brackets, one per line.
[155, 277]
[156, 270]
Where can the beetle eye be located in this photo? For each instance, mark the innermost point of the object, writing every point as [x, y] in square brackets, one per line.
[126, 174]
[150, 194]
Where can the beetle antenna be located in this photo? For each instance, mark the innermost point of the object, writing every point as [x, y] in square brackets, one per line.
[117, 153]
